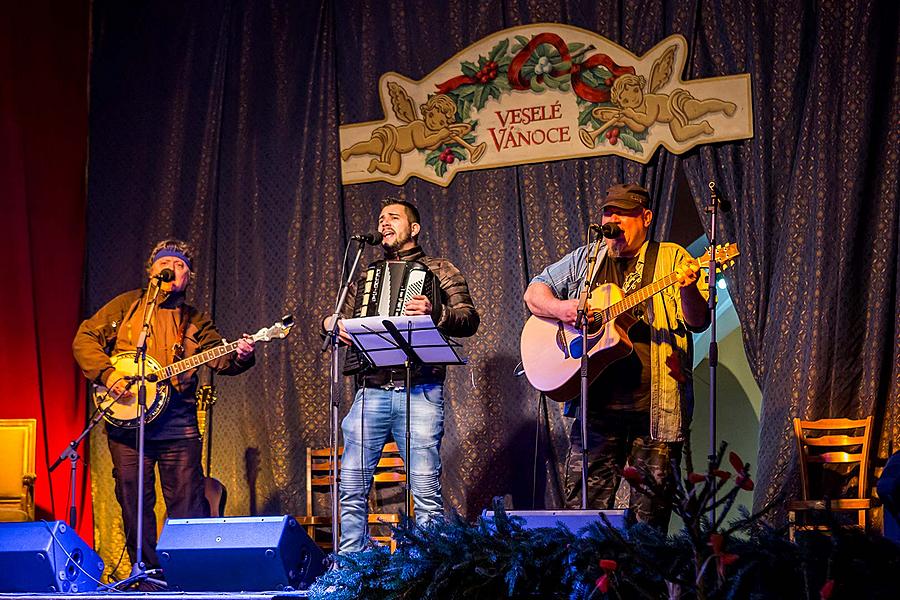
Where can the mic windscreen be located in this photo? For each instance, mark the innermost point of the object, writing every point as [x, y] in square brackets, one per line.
[166, 275]
[376, 236]
[611, 230]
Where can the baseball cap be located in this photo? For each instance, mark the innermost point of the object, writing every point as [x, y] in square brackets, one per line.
[627, 196]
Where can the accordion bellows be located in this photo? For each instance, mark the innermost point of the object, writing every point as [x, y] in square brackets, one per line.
[390, 284]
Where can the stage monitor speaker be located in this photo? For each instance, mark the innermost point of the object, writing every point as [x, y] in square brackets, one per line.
[238, 554]
[575, 520]
[39, 556]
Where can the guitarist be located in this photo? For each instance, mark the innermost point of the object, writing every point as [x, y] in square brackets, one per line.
[172, 440]
[639, 408]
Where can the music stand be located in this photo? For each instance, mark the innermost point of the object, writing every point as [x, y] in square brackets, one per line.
[408, 341]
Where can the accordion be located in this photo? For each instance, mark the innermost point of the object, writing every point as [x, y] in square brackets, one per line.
[387, 287]
[390, 284]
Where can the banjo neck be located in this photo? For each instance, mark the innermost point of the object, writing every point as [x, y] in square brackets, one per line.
[197, 360]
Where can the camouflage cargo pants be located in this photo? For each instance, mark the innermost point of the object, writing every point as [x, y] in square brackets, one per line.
[615, 440]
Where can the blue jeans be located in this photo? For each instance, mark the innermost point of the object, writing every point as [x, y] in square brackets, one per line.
[375, 415]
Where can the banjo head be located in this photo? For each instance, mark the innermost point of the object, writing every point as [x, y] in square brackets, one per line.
[124, 412]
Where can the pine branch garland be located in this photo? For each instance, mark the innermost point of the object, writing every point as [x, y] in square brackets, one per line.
[708, 560]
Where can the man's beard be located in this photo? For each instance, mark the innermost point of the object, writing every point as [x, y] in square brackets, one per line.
[615, 247]
[397, 243]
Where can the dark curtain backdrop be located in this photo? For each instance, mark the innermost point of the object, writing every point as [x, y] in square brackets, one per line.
[43, 153]
[817, 215]
[217, 122]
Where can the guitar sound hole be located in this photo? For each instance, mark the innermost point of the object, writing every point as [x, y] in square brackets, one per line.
[596, 323]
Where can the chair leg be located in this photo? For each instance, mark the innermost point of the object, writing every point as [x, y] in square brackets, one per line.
[792, 525]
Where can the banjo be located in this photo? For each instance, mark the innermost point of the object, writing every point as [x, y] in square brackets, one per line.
[124, 411]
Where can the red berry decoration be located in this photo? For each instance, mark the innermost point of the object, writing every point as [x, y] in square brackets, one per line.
[615, 132]
[736, 461]
[723, 475]
[696, 478]
[450, 158]
[613, 140]
[608, 564]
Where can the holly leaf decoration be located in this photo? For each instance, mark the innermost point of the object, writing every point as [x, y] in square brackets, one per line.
[498, 50]
[468, 68]
[639, 136]
[463, 107]
[586, 116]
[502, 81]
[629, 142]
[480, 97]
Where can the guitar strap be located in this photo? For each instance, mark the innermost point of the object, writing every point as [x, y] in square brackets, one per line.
[178, 347]
[647, 275]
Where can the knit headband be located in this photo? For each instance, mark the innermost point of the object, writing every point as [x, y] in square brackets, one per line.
[173, 253]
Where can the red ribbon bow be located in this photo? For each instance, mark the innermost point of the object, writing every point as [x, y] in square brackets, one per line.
[514, 74]
[583, 90]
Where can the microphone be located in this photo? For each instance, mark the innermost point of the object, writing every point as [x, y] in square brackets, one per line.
[165, 275]
[724, 204]
[609, 230]
[151, 378]
[373, 239]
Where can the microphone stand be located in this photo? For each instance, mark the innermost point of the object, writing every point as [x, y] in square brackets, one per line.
[138, 572]
[582, 323]
[71, 454]
[333, 340]
[713, 208]
[411, 360]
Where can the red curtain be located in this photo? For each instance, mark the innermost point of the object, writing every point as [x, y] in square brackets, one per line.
[43, 157]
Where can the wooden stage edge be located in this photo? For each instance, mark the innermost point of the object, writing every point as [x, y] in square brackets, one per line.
[163, 595]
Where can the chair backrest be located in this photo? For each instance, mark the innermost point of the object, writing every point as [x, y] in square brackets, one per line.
[845, 442]
[17, 475]
[390, 470]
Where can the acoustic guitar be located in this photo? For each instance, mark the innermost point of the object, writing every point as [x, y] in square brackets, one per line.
[552, 350]
[215, 491]
[124, 412]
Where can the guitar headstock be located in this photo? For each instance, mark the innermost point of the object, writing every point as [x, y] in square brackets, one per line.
[725, 255]
[206, 397]
[280, 329]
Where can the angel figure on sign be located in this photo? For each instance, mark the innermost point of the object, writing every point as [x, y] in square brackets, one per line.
[638, 110]
[437, 126]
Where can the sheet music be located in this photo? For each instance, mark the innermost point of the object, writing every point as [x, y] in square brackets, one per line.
[372, 338]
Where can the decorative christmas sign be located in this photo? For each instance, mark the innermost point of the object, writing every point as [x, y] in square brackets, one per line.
[537, 93]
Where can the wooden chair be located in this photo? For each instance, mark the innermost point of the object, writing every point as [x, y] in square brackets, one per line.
[17, 447]
[388, 487]
[830, 451]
